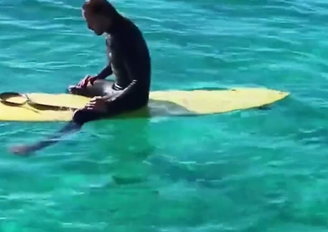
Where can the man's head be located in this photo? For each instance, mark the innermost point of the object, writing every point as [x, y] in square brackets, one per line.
[99, 15]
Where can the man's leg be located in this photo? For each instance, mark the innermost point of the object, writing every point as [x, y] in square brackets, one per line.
[115, 108]
[83, 116]
[80, 117]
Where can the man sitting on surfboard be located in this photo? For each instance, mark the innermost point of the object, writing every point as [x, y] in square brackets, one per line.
[129, 61]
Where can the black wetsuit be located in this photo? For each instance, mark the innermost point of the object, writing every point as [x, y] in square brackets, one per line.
[130, 63]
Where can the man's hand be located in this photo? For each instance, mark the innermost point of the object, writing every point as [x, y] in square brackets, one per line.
[98, 104]
[86, 80]
[82, 84]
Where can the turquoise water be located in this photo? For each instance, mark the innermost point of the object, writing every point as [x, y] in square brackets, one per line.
[245, 171]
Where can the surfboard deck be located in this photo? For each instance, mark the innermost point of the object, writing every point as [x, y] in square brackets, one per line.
[162, 103]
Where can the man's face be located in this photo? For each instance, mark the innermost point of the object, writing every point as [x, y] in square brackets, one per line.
[96, 23]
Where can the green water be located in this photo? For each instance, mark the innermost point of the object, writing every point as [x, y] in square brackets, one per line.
[249, 171]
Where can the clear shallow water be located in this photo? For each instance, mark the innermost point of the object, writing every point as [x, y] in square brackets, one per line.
[244, 171]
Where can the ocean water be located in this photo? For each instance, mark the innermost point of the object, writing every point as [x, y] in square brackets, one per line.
[247, 171]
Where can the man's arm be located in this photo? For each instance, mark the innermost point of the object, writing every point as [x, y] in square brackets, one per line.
[137, 70]
[107, 71]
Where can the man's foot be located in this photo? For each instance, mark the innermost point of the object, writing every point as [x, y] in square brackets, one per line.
[21, 150]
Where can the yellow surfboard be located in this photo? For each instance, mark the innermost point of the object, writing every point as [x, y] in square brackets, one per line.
[162, 103]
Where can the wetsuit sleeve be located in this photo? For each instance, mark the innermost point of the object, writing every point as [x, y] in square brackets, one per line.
[107, 71]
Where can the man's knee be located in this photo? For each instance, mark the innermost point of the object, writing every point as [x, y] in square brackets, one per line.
[83, 116]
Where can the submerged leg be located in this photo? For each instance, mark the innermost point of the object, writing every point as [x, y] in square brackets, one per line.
[80, 117]
[28, 149]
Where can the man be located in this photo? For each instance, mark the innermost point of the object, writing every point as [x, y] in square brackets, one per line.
[129, 62]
